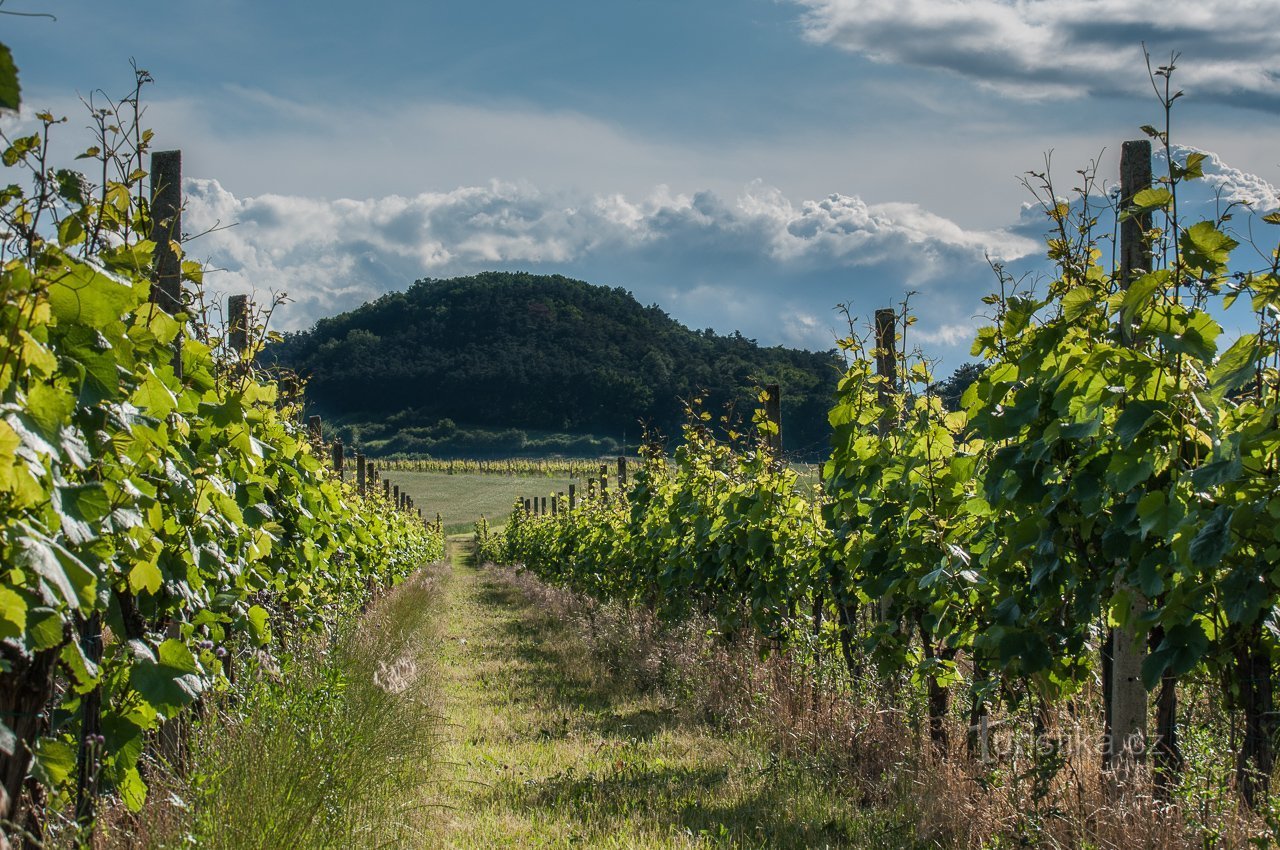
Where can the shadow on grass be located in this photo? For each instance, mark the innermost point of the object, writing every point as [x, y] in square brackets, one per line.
[697, 802]
[773, 807]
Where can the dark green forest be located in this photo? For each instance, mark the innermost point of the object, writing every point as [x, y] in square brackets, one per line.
[512, 362]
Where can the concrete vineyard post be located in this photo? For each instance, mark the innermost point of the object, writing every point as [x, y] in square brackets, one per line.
[886, 327]
[1125, 695]
[166, 293]
[166, 228]
[166, 290]
[238, 324]
[887, 362]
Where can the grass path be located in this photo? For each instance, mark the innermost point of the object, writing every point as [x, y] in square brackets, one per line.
[543, 750]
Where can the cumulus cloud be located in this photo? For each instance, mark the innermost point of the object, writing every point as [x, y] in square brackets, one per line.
[1066, 48]
[1228, 183]
[760, 263]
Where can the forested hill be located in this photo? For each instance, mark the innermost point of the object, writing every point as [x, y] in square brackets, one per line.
[413, 369]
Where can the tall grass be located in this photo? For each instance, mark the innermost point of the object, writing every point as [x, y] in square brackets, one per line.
[332, 750]
[1030, 790]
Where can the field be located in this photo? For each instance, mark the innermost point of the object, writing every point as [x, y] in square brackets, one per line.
[462, 499]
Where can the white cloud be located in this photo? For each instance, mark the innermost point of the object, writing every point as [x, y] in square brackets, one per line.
[1231, 184]
[763, 264]
[1066, 48]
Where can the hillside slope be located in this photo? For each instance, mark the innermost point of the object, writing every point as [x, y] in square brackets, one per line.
[537, 353]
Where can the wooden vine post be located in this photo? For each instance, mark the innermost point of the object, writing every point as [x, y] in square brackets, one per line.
[166, 294]
[887, 369]
[887, 364]
[622, 474]
[360, 473]
[573, 496]
[166, 229]
[1124, 741]
[338, 458]
[238, 325]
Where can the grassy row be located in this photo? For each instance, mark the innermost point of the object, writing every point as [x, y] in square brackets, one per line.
[333, 748]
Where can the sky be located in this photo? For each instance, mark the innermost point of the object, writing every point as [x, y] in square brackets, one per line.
[745, 164]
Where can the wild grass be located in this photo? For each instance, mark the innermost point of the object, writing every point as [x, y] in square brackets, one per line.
[859, 743]
[336, 749]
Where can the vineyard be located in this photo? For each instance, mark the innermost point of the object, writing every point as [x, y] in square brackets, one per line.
[168, 529]
[1054, 600]
[1084, 554]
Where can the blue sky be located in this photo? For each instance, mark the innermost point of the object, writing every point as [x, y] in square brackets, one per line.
[747, 164]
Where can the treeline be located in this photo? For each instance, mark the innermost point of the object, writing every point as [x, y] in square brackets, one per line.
[469, 366]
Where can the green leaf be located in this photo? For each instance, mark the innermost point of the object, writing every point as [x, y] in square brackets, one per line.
[63, 572]
[55, 761]
[1138, 295]
[13, 614]
[84, 295]
[1193, 168]
[1206, 247]
[1272, 218]
[1183, 646]
[145, 577]
[1237, 365]
[1156, 513]
[1150, 199]
[153, 398]
[44, 628]
[83, 671]
[10, 92]
[1198, 337]
[1213, 540]
[170, 682]
[1077, 302]
[18, 149]
[1125, 471]
[133, 791]
[49, 407]
[1137, 415]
